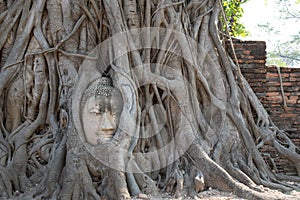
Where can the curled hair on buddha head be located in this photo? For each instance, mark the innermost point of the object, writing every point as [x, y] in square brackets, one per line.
[105, 84]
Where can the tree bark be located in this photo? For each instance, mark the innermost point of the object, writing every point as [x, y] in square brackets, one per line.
[182, 118]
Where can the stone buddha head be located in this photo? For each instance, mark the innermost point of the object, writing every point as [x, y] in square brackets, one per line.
[101, 111]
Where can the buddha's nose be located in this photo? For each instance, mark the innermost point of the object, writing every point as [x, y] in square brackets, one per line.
[107, 122]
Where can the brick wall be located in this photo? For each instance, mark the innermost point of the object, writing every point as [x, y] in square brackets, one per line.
[265, 82]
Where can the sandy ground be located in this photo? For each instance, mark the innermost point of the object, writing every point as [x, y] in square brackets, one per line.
[213, 194]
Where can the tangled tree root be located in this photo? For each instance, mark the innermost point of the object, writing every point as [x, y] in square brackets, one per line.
[189, 121]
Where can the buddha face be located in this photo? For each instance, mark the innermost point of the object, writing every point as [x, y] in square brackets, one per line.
[100, 114]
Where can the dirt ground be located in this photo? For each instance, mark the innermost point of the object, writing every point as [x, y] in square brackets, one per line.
[213, 194]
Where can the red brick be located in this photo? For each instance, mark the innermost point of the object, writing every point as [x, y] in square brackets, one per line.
[295, 70]
[246, 52]
[276, 98]
[273, 84]
[293, 98]
[273, 89]
[270, 94]
[273, 79]
[294, 79]
[291, 101]
[288, 115]
[285, 69]
[291, 88]
[295, 75]
[272, 75]
[287, 84]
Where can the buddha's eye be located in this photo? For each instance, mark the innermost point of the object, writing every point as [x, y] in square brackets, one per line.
[95, 110]
[112, 114]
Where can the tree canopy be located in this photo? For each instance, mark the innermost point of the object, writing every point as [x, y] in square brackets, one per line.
[286, 50]
[283, 47]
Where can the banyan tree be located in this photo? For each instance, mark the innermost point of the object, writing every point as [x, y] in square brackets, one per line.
[110, 99]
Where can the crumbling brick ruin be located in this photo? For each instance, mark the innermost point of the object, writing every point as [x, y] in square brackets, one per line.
[271, 84]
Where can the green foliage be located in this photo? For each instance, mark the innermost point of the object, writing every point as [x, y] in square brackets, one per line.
[286, 45]
[234, 12]
[274, 59]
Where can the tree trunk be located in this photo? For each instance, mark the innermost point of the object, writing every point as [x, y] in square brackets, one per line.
[109, 99]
